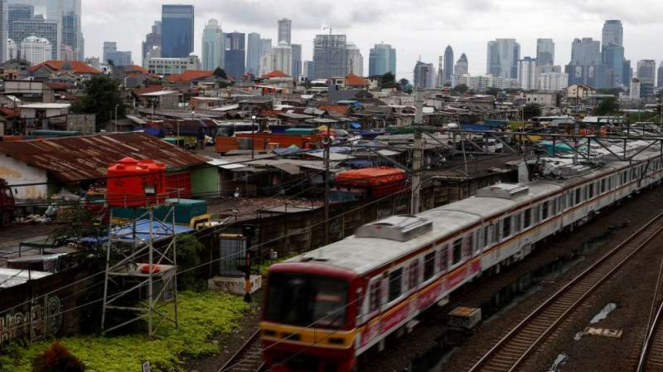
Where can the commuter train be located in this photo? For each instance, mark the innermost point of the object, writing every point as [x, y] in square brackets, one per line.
[325, 308]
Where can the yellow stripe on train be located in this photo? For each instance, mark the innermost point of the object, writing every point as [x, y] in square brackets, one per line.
[307, 336]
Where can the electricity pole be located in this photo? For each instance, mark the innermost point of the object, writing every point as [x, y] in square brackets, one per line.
[417, 154]
[328, 142]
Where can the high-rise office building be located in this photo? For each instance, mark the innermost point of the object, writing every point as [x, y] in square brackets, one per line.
[462, 66]
[177, 25]
[545, 52]
[647, 76]
[553, 81]
[635, 89]
[72, 32]
[613, 33]
[235, 54]
[382, 59]
[355, 60]
[660, 75]
[18, 12]
[309, 70]
[285, 30]
[586, 66]
[503, 56]
[41, 28]
[296, 60]
[4, 30]
[266, 46]
[424, 75]
[253, 53]
[36, 50]
[152, 40]
[330, 56]
[627, 73]
[448, 65]
[213, 49]
[119, 58]
[613, 59]
[527, 73]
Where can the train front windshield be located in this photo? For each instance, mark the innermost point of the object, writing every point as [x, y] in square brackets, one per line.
[303, 300]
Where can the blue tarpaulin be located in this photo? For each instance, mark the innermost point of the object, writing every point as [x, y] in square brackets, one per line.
[477, 127]
[157, 132]
[287, 150]
[160, 231]
[355, 125]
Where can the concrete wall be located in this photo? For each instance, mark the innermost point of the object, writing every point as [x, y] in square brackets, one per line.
[16, 172]
[81, 123]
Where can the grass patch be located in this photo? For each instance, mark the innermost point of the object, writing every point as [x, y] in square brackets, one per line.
[202, 316]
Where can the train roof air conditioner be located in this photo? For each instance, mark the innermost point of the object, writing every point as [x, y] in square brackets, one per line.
[398, 228]
[503, 191]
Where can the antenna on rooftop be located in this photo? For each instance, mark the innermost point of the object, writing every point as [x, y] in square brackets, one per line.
[328, 28]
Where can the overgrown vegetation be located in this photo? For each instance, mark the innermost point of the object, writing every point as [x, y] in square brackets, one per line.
[101, 97]
[189, 250]
[531, 110]
[202, 317]
[57, 359]
[607, 107]
[77, 222]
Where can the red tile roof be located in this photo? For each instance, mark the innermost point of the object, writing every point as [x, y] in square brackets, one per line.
[187, 76]
[275, 74]
[6, 111]
[339, 109]
[73, 66]
[135, 68]
[353, 80]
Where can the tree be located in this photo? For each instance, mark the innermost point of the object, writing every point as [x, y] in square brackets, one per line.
[77, 222]
[388, 80]
[102, 97]
[461, 88]
[531, 110]
[492, 92]
[220, 73]
[607, 107]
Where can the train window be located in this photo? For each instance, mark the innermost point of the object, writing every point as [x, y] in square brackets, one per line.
[376, 297]
[590, 190]
[536, 213]
[553, 210]
[560, 204]
[527, 220]
[496, 233]
[506, 227]
[486, 236]
[578, 196]
[444, 257]
[429, 266]
[469, 245]
[516, 225]
[477, 241]
[457, 253]
[624, 177]
[395, 284]
[413, 275]
[545, 211]
[603, 185]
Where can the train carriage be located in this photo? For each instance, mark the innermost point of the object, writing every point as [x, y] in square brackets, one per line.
[326, 307]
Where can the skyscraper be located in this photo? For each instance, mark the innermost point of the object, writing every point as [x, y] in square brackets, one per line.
[39, 27]
[4, 31]
[527, 73]
[448, 65]
[296, 60]
[213, 49]
[235, 54]
[586, 65]
[309, 70]
[266, 46]
[462, 66]
[613, 33]
[613, 59]
[177, 24]
[355, 60]
[253, 53]
[424, 75]
[152, 40]
[647, 77]
[72, 33]
[330, 56]
[382, 59]
[18, 12]
[660, 76]
[119, 58]
[503, 56]
[627, 73]
[285, 30]
[545, 52]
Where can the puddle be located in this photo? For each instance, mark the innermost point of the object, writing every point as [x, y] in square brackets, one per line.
[559, 361]
[603, 313]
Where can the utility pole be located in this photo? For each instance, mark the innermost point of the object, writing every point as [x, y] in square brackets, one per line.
[417, 154]
[327, 142]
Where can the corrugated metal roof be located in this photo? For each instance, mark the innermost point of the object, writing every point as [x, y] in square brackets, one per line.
[75, 159]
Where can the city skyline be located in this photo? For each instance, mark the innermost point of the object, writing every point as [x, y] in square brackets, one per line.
[360, 25]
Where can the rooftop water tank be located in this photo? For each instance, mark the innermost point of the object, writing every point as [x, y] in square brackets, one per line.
[136, 184]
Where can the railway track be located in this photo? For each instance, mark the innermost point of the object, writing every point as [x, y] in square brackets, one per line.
[514, 348]
[651, 357]
[248, 358]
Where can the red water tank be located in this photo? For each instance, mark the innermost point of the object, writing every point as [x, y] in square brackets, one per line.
[135, 184]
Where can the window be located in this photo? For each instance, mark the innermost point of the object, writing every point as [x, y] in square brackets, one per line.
[444, 257]
[413, 275]
[527, 218]
[569, 202]
[506, 227]
[457, 251]
[376, 296]
[516, 220]
[477, 241]
[469, 245]
[429, 266]
[546, 209]
[624, 177]
[395, 284]
[496, 232]
[486, 236]
[537, 214]
[603, 185]
[590, 190]
[578, 196]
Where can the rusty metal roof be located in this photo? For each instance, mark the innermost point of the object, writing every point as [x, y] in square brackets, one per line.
[75, 159]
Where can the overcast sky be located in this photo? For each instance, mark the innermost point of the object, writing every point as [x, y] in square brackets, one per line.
[417, 29]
